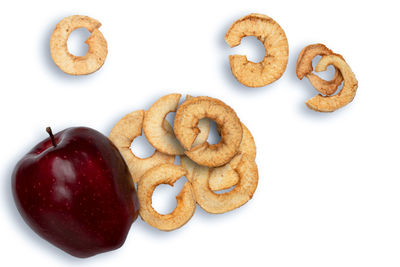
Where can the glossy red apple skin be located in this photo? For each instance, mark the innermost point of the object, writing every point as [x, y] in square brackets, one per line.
[79, 195]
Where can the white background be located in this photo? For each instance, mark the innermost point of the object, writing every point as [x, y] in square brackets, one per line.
[329, 189]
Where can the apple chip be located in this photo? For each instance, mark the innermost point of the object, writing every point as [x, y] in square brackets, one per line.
[185, 206]
[69, 63]
[276, 46]
[345, 96]
[186, 120]
[304, 68]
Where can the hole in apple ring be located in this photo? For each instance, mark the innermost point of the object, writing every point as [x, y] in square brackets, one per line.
[214, 136]
[164, 196]
[347, 93]
[76, 42]
[141, 148]
[252, 47]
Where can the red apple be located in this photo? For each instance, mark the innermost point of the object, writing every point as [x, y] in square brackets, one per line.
[75, 190]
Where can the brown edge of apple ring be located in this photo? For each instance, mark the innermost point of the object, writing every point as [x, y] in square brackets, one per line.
[186, 130]
[185, 206]
[345, 96]
[273, 37]
[162, 138]
[78, 65]
[238, 196]
[304, 68]
[123, 134]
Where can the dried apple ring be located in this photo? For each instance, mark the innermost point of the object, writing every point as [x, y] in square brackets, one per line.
[185, 206]
[123, 134]
[185, 128]
[238, 196]
[164, 139]
[304, 68]
[345, 96]
[276, 46]
[69, 63]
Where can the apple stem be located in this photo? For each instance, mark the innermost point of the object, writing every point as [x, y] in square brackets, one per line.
[48, 130]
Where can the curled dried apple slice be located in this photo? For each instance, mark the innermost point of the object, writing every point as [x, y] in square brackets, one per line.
[185, 206]
[276, 46]
[345, 96]
[304, 68]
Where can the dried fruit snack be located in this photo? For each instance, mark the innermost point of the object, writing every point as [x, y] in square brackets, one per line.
[276, 46]
[345, 96]
[304, 68]
[69, 63]
[185, 206]
[188, 116]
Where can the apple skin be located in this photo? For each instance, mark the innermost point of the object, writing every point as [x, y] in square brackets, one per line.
[79, 195]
